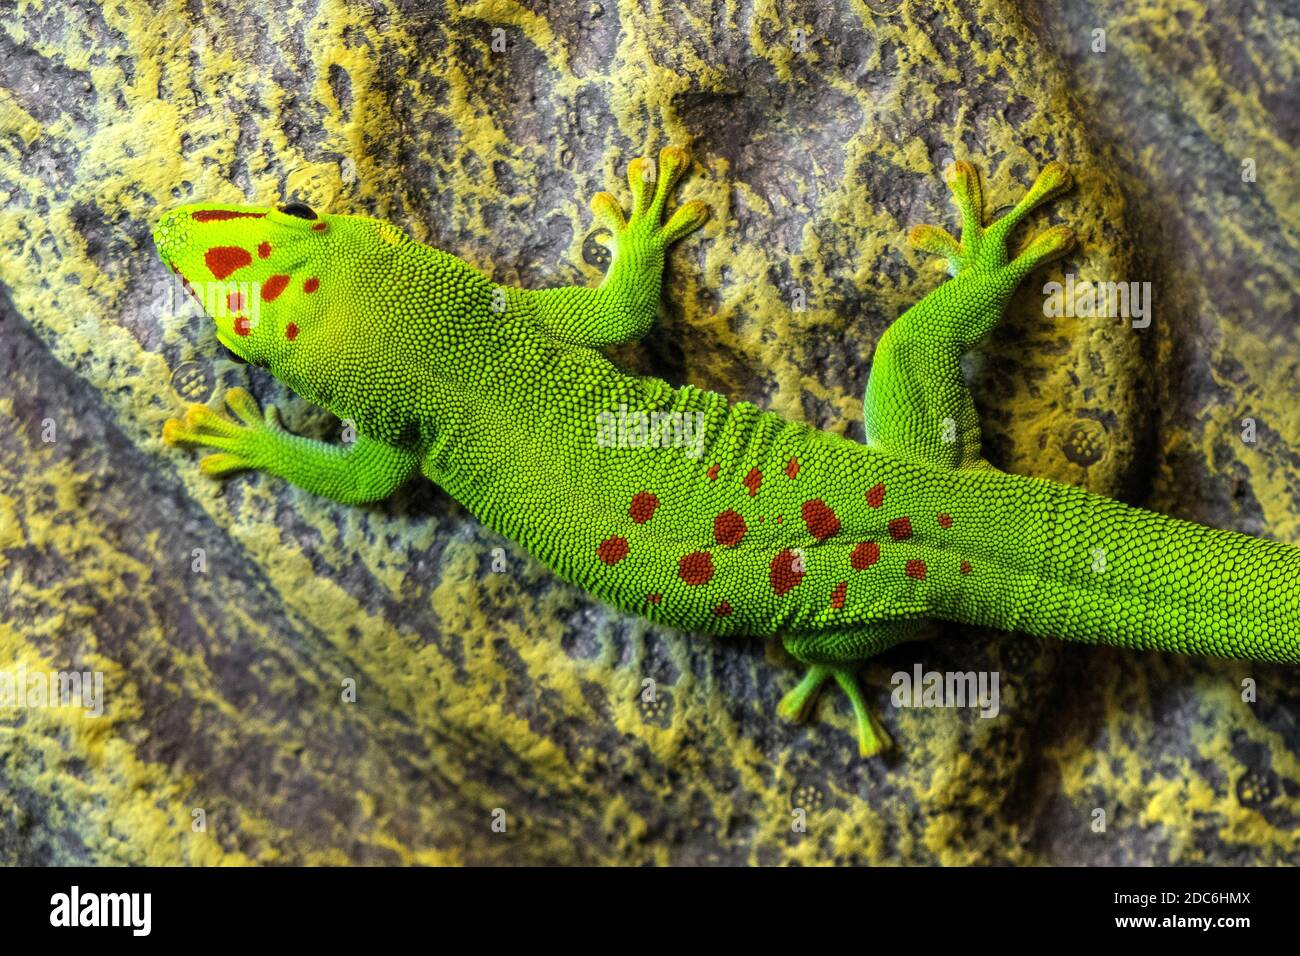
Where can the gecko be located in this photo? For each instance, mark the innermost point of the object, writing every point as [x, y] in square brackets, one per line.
[706, 515]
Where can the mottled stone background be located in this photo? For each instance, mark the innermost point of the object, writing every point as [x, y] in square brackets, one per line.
[819, 131]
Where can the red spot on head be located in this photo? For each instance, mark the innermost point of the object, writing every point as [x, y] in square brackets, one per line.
[217, 215]
[945, 520]
[876, 496]
[242, 325]
[612, 550]
[820, 519]
[291, 331]
[786, 572]
[728, 528]
[273, 286]
[900, 529]
[752, 481]
[654, 598]
[780, 518]
[792, 468]
[235, 301]
[712, 473]
[916, 569]
[865, 555]
[965, 567]
[311, 285]
[838, 595]
[643, 507]
[695, 568]
[723, 609]
[223, 260]
[263, 250]
[320, 227]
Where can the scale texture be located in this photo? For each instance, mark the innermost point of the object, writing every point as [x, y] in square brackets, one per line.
[502, 397]
[484, 681]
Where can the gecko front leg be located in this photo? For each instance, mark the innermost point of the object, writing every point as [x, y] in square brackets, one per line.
[365, 470]
[623, 307]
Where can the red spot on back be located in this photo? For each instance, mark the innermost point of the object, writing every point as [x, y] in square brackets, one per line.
[753, 480]
[695, 568]
[642, 507]
[838, 595]
[612, 550]
[263, 250]
[242, 325]
[217, 215]
[945, 520]
[820, 519]
[273, 286]
[712, 473]
[235, 301]
[916, 569]
[792, 468]
[320, 227]
[876, 496]
[728, 528]
[900, 529]
[291, 331]
[723, 609]
[223, 260]
[965, 567]
[311, 285]
[654, 598]
[787, 571]
[865, 555]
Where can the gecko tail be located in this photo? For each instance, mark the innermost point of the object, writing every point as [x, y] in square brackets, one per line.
[1082, 567]
[1148, 581]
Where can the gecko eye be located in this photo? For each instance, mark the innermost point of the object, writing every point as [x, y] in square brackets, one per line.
[232, 356]
[299, 210]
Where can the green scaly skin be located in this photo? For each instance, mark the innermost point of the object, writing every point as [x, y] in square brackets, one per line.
[766, 526]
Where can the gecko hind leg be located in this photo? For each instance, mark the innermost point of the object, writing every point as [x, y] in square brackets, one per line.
[917, 404]
[839, 655]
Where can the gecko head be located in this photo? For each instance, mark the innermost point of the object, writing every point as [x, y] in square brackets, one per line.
[263, 274]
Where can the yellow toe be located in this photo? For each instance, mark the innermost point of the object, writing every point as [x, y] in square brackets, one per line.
[221, 464]
[173, 431]
[242, 403]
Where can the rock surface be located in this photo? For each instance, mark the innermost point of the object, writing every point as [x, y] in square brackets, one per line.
[819, 132]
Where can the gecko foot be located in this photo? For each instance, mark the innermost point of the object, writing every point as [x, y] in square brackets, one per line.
[795, 705]
[239, 442]
[984, 248]
[651, 188]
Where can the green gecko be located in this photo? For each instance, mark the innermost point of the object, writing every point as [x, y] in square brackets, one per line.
[756, 525]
